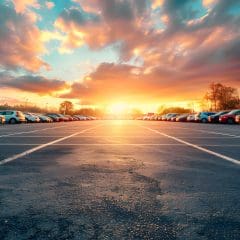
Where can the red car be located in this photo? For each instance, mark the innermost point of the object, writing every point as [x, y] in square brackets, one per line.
[229, 117]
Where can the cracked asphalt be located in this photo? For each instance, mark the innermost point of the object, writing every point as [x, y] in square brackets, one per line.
[119, 179]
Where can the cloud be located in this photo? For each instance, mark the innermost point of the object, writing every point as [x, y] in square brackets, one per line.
[49, 5]
[167, 49]
[188, 50]
[208, 3]
[106, 22]
[128, 83]
[33, 84]
[130, 25]
[22, 5]
[20, 41]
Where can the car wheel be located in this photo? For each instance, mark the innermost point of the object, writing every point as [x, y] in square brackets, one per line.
[204, 120]
[12, 121]
[230, 121]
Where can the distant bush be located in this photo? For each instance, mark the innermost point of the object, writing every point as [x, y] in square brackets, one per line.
[175, 110]
[23, 108]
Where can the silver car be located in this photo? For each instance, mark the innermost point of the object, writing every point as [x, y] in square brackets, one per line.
[12, 116]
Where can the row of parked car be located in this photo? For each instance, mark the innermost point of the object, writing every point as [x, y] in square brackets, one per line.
[229, 117]
[12, 116]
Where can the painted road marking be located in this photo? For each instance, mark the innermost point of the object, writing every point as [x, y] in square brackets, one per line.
[119, 144]
[117, 136]
[224, 157]
[95, 144]
[206, 131]
[38, 130]
[23, 154]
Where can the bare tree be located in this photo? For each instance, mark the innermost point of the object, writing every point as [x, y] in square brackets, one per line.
[213, 95]
[222, 97]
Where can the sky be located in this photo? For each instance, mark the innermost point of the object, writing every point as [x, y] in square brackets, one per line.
[117, 53]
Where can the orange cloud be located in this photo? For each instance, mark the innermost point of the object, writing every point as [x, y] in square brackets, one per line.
[49, 5]
[208, 3]
[21, 5]
[20, 45]
[126, 83]
[157, 3]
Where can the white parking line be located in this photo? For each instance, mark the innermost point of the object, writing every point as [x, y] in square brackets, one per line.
[206, 131]
[33, 131]
[23, 154]
[102, 136]
[196, 146]
[119, 144]
[96, 144]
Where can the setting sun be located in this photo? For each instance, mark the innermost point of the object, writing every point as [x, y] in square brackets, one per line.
[118, 108]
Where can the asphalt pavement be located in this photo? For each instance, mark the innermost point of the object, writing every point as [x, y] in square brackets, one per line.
[120, 180]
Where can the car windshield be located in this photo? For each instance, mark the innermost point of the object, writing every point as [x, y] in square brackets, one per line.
[221, 113]
[234, 111]
[210, 113]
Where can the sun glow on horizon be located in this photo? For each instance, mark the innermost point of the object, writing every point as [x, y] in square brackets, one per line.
[118, 108]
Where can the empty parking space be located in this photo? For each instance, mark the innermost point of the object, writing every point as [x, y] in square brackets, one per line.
[112, 175]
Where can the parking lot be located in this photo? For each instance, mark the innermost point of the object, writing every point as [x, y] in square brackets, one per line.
[120, 179]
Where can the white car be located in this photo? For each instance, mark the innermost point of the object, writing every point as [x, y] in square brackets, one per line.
[32, 118]
[81, 118]
[13, 116]
[43, 118]
[146, 117]
[191, 118]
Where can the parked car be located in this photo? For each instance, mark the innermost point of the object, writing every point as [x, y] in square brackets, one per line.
[146, 117]
[60, 117]
[159, 117]
[70, 118]
[229, 117]
[2, 119]
[168, 116]
[203, 116]
[75, 118]
[182, 118]
[152, 117]
[82, 118]
[43, 118]
[163, 117]
[174, 117]
[191, 118]
[215, 118]
[53, 116]
[13, 116]
[237, 118]
[30, 118]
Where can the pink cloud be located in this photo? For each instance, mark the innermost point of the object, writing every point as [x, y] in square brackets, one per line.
[22, 5]
[49, 5]
[20, 41]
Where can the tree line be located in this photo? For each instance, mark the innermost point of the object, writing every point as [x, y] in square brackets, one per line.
[218, 97]
[222, 97]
